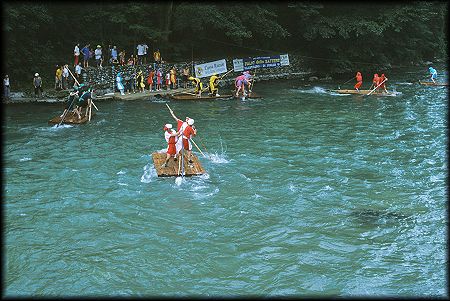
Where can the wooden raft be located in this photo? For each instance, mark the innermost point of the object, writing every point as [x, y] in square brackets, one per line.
[190, 169]
[190, 96]
[432, 84]
[71, 118]
[363, 92]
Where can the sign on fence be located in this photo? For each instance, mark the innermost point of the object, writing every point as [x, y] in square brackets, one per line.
[260, 62]
[208, 69]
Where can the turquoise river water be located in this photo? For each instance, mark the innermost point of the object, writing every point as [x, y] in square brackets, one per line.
[307, 193]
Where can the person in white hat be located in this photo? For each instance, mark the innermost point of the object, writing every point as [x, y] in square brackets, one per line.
[98, 56]
[188, 132]
[181, 126]
[37, 83]
[171, 137]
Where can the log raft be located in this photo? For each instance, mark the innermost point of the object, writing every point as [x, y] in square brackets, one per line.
[363, 92]
[72, 118]
[190, 169]
[432, 84]
[191, 96]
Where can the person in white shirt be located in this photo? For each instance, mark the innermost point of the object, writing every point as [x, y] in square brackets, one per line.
[65, 74]
[140, 52]
[145, 53]
[6, 87]
[76, 53]
[78, 71]
[98, 56]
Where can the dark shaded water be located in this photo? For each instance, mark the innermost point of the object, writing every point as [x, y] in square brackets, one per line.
[307, 193]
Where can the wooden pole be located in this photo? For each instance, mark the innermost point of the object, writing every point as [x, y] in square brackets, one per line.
[375, 87]
[192, 140]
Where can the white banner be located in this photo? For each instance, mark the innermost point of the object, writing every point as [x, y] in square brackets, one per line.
[238, 65]
[208, 69]
[284, 59]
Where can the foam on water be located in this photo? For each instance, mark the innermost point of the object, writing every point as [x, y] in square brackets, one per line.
[314, 90]
[149, 173]
[25, 159]
[219, 158]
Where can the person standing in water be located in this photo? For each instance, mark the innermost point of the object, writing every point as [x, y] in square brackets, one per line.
[433, 73]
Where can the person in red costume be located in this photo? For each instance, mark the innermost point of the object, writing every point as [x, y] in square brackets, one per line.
[358, 80]
[375, 81]
[383, 80]
[171, 137]
[188, 132]
[181, 126]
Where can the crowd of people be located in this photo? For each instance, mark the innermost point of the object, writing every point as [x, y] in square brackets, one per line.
[113, 56]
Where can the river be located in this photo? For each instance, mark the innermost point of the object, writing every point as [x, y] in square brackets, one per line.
[307, 193]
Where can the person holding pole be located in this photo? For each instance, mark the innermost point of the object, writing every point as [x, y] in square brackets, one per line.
[433, 73]
[188, 132]
[214, 85]
[171, 137]
[359, 79]
[383, 80]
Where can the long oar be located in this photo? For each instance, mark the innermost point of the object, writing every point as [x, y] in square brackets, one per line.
[339, 87]
[225, 74]
[192, 140]
[65, 114]
[375, 87]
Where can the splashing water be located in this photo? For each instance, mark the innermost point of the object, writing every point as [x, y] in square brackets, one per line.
[218, 158]
[149, 173]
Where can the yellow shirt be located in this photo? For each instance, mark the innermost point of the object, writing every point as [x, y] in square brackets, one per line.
[58, 73]
[212, 79]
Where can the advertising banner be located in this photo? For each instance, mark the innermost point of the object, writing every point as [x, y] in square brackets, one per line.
[208, 69]
[260, 62]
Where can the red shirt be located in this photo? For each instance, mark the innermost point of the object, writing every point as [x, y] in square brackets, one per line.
[188, 132]
[179, 124]
[358, 77]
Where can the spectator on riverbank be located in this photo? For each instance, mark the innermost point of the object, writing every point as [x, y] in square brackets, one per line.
[37, 83]
[86, 53]
[113, 52]
[76, 54]
[58, 78]
[145, 53]
[65, 77]
[6, 87]
[158, 79]
[122, 58]
[131, 60]
[150, 77]
[140, 53]
[98, 56]
[78, 70]
[173, 78]
[157, 56]
[185, 76]
[168, 80]
[140, 81]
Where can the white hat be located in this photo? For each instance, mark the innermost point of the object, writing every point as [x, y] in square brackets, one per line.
[190, 121]
[168, 126]
[36, 74]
